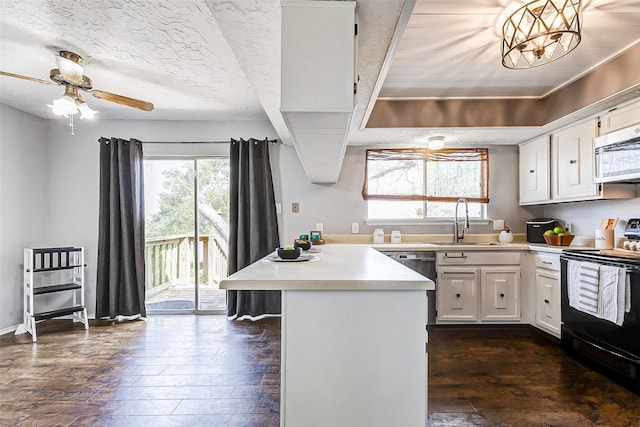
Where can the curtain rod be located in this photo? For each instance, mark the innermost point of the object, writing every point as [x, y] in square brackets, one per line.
[203, 142]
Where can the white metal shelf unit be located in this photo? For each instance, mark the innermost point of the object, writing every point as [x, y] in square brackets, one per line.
[42, 260]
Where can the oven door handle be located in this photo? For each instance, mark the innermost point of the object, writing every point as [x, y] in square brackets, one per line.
[609, 351]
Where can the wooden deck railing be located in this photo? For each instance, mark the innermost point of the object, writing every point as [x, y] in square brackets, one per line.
[169, 261]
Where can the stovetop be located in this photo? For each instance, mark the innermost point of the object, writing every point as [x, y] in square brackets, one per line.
[615, 256]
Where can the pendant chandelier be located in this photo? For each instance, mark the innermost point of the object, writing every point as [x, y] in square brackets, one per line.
[541, 32]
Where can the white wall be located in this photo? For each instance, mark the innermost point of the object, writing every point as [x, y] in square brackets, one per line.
[74, 180]
[585, 216]
[23, 203]
[337, 206]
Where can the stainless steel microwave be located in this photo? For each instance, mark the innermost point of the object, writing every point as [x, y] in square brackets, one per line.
[617, 156]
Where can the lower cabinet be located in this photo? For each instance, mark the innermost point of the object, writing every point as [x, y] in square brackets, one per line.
[500, 299]
[547, 293]
[457, 294]
[472, 294]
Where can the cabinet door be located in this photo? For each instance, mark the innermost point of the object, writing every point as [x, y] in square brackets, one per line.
[456, 295]
[500, 299]
[620, 117]
[534, 171]
[572, 153]
[548, 301]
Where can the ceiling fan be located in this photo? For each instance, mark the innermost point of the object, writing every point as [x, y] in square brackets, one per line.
[70, 74]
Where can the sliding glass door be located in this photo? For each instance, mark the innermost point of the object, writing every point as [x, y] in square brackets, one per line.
[186, 232]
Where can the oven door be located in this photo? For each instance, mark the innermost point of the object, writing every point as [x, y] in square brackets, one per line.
[611, 349]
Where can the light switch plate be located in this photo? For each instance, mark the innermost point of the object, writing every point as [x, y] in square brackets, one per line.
[355, 228]
[295, 207]
[498, 224]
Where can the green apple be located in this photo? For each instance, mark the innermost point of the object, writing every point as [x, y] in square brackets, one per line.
[549, 233]
[564, 233]
[558, 230]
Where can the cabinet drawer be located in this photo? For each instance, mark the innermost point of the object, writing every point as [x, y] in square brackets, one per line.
[549, 262]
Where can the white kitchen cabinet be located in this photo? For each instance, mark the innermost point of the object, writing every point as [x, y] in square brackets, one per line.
[478, 287]
[534, 171]
[318, 56]
[499, 297]
[572, 167]
[620, 117]
[573, 162]
[457, 294]
[547, 293]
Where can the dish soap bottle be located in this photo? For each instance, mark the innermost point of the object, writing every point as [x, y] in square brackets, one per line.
[505, 235]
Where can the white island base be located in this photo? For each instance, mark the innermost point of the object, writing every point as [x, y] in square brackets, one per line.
[353, 358]
[353, 338]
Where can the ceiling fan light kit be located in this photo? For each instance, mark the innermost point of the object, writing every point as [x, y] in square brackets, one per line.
[69, 67]
[540, 32]
[70, 74]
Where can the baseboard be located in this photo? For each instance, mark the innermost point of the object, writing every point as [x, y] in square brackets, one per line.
[8, 330]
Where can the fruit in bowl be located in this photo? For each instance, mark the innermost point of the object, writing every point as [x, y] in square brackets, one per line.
[301, 243]
[558, 237]
[289, 252]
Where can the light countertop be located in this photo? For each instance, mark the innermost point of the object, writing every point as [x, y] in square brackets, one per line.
[340, 267]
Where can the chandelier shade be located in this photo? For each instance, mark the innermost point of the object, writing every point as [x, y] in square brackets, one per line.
[541, 32]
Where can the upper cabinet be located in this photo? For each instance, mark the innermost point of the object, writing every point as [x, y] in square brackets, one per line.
[621, 117]
[534, 171]
[318, 82]
[563, 170]
[572, 162]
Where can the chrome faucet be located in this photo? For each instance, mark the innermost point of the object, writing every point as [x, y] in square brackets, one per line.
[456, 235]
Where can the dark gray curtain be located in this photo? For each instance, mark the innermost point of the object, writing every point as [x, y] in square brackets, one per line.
[253, 225]
[120, 282]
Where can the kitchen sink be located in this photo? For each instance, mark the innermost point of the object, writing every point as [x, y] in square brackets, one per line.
[476, 243]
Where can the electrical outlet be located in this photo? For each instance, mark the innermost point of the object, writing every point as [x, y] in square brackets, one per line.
[295, 207]
[320, 227]
[278, 208]
[498, 224]
[355, 228]
[567, 226]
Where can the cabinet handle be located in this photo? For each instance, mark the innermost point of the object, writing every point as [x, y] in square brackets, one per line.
[458, 295]
[572, 162]
[531, 171]
[458, 273]
[460, 255]
[501, 295]
[547, 262]
[546, 301]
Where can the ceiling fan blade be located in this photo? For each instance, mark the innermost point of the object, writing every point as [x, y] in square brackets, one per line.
[119, 99]
[33, 79]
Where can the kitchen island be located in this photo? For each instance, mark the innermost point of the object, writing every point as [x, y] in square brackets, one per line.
[353, 337]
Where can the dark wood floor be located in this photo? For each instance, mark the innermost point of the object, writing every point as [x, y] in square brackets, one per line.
[206, 371]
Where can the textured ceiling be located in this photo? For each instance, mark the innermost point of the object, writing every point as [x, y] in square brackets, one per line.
[220, 60]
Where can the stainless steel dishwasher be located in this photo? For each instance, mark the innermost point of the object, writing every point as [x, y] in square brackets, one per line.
[423, 262]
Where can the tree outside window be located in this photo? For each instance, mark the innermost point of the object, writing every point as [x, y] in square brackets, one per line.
[422, 183]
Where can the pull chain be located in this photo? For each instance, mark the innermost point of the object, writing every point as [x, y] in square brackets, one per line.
[71, 124]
